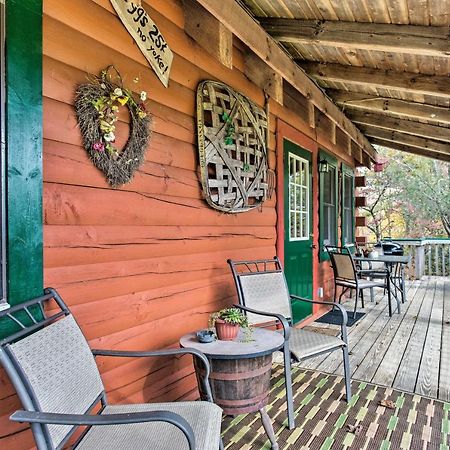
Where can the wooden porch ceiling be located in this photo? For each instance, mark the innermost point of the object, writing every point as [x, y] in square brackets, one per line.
[385, 63]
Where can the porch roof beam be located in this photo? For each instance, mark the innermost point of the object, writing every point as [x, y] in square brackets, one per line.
[403, 126]
[408, 39]
[244, 27]
[387, 105]
[405, 82]
[409, 149]
[406, 139]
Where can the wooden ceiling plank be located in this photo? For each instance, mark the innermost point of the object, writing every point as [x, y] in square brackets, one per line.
[405, 82]
[408, 149]
[386, 105]
[253, 35]
[406, 139]
[404, 126]
[409, 39]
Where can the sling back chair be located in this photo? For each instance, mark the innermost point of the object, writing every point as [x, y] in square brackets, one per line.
[57, 380]
[349, 277]
[263, 294]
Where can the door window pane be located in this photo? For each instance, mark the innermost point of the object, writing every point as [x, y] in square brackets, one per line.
[298, 198]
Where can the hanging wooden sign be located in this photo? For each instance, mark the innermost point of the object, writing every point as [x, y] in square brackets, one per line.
[147, 36]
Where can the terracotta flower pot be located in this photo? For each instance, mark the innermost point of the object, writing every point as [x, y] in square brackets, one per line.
[226, 331]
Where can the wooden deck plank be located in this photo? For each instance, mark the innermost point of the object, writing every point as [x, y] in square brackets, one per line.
[428, 376]
[364, 345]
[409, 367]
[387, 370]
[410, 351]
[375, 355]
[444, 376]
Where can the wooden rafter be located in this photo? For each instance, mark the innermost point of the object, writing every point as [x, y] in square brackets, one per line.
[437, 86]
[403, 126]
[409, 149]
[409, 39]
[405, 139]
[243, 26]
[366, 102]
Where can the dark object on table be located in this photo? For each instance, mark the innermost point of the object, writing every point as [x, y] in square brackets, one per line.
[334, 317]
[390, 248]
[206, 336]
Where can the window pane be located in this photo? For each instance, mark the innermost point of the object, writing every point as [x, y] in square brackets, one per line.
[292, 226]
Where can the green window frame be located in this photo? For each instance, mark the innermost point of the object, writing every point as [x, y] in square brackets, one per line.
[347, 206]
[328, 205]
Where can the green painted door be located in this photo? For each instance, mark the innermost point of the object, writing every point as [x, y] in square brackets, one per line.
[298, 242]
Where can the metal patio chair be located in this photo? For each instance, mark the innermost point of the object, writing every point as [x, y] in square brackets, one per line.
[349, 277]
[57, 380]
[263, 293]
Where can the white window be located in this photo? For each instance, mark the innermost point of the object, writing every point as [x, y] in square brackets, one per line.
[298, 198]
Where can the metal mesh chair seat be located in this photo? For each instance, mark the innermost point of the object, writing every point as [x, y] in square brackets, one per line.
[204, 418]
[264, 296]
[363, 284]
[304, 344]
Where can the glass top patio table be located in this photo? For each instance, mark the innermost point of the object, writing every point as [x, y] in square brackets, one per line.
[388, 259]
[396, 275]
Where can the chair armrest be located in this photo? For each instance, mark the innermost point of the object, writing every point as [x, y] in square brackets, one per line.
[108, 419]
[342, 310]
[281, 318]
[166, 352]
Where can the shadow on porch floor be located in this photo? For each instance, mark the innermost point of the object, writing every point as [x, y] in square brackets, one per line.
[324, 421]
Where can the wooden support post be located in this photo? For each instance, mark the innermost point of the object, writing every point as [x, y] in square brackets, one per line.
[360, 181]
[361, 221]
[311, 115]
[264, 77]
[356, 151]
[333, 133]
[419, 261]
[208, 32]
[349, 145]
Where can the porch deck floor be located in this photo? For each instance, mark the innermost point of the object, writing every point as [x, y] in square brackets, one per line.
[408, 351]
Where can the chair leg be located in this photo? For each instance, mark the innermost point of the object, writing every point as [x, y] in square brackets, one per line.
[221, 447]
[348, 385]
[362, 298]
[356, 303]
[288, 385]
[372, 295]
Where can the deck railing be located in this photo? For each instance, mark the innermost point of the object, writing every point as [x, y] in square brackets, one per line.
[429, 256]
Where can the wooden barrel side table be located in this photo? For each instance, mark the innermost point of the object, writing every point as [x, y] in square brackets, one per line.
[240, 372]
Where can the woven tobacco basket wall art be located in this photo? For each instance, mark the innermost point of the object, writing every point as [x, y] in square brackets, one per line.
[97, 104]
[232, 134]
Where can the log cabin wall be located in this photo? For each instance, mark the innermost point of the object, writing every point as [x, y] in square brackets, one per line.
[144, 264]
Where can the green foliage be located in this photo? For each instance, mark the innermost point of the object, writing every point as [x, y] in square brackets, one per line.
[230, 315]
[411, 197]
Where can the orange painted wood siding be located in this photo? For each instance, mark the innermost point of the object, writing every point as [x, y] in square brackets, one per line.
[144, 264]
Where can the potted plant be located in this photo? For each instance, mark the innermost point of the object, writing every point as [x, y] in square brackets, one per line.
[227, 323]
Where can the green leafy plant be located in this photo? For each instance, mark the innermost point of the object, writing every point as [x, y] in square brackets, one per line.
[233, 316]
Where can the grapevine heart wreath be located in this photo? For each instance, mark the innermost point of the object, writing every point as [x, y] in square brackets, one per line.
[97, 104]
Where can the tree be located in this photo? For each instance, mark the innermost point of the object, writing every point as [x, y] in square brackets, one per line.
[411, 197]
